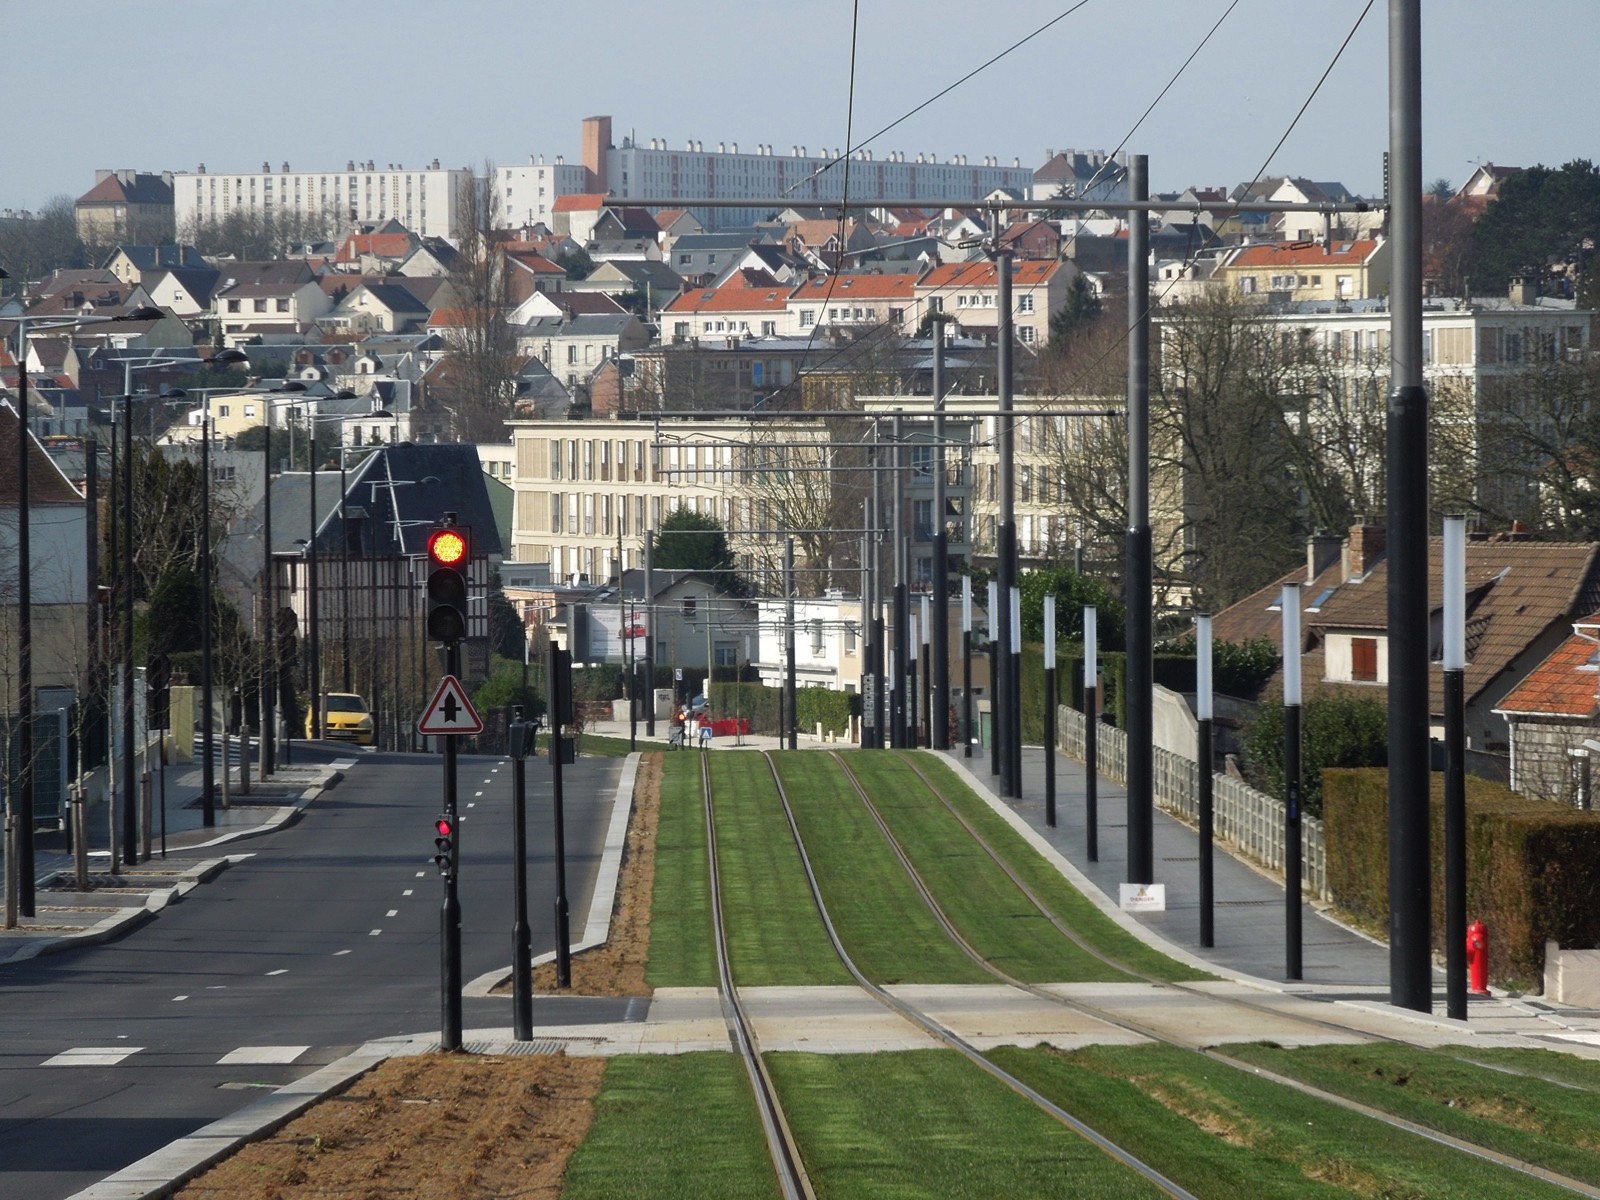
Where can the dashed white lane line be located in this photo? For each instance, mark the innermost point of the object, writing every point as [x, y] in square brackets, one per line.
[338, 953]
[420, 874]
[261, 1055]
[175, 999]
[375, 933]
[480, 794]
[91, 1056]
[407, 892]
[393, 912]
[279, 971]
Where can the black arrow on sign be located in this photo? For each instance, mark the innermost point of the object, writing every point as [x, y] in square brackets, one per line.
[450, 708]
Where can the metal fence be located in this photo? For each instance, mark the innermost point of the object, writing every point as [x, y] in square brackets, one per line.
[1249, 821]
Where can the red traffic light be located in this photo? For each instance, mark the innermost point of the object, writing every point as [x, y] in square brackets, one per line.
[445, 826]
[448, 547]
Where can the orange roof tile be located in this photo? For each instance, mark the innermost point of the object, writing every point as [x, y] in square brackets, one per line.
[1269, 254]
[580, 202]
[1560, 686]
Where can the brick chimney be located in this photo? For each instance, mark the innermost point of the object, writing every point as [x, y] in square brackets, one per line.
[1362, 549]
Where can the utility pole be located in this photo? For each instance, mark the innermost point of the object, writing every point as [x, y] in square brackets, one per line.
[939, 642]
[788, 642]
[1006, 688]
[1410, 916]
[650, 635]
[1138, 570]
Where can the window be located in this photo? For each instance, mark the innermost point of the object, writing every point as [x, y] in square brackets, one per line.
[688, 608]
[816, 639]
[555, 512]
[1025, 304]
[233, 306]
[922, 460]
[1282, 283]
[1364, 659]
[223, 410]
[1025, 334]
[572, 355]
[259, 305]
[922, 519]
[808, 317]
[283, 305]
[1247, 285]
[727, 654]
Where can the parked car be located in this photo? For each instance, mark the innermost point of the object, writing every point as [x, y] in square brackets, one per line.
[345, 718]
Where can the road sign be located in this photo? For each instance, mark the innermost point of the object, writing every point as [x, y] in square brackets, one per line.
[450, 711]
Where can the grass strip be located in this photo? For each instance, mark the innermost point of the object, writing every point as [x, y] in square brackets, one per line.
[1554, 1066]
[926, 1123]
[598, 745]
[1550, 1124]
[673, 1127]
[1065, 900]
[991, 912]
[682, 952]
[1223, 1132]
[882, 920]
[775, 935]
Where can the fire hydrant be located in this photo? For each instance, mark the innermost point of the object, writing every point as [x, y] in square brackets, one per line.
[1478, 959]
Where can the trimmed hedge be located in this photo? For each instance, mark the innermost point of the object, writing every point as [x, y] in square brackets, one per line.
[1069, 685]
[1530, 866]
[763, 707]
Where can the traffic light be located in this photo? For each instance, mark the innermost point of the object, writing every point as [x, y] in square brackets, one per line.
[445, 845]
[449, 551]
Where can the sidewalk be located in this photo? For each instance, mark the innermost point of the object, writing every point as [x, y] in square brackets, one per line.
[115, 902]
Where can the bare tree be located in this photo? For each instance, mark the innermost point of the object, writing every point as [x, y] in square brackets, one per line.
[482, 362]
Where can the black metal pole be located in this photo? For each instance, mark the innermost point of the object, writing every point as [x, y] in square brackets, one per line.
[560, 692]
[1207, 832]
[1455, 843]
[789, 681]
[1410, 901]
[939, 634]
[269, 706]
[650, 636]
[997, 753]
[208, 803]
[521, 935]
[314, 666]
[966, 693]
[344, 574]
[1015, 707]
[1004, 716]
[1091, 771]
[130, 810]
[450, 913]
[1139, 696]
[1050, 744]
[23, 812]
[1291, 841]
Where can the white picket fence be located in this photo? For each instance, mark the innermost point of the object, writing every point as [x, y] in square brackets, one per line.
[1249, 821]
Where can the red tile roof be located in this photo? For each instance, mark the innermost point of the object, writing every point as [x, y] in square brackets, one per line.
[858, 287]
[580, 202]
[1027, 272]
[1561, 686]
[1297, 254]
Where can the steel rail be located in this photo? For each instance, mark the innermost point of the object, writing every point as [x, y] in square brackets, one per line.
[947, 1035]
[1521, 1166]
[781, 1144]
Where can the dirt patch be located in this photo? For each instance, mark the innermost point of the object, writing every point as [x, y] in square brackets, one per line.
[618, 967]
[457, 1126]
[483, 1126]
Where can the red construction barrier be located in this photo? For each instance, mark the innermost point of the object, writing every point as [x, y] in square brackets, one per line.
[730, 726]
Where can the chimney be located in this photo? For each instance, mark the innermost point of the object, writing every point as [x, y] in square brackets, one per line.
[1524, 290]
[1363, 549]
[1322, 551]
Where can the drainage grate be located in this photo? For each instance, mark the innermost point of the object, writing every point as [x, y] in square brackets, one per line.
[515, 1049]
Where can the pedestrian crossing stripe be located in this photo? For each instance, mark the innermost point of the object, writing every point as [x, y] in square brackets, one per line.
[92, 1056]
[261, 1055]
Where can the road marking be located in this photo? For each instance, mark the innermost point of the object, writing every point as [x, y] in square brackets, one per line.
[393, 912]
[217, 987]
[473, 803]
[420, 874]
[407, 892]
[337, 953]
[480, 794]
[375, 933]
[279, 971]
[261, 1055]
[91, 1056]
[175, 999]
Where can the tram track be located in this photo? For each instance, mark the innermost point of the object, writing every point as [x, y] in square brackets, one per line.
[1143, 1029]
[919, 1018]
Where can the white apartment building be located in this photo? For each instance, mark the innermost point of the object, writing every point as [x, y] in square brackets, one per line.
[424, 200]
[654, 170]
[829, 641]
[528, 191]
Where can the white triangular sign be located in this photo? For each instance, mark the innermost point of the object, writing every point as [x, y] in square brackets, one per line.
[450, 711]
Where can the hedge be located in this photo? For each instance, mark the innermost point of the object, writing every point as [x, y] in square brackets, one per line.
[762, 705]
[1530, 866]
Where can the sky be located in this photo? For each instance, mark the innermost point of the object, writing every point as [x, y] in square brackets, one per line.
[169, 84]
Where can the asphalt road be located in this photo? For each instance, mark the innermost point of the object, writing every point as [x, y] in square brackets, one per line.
[326, 937]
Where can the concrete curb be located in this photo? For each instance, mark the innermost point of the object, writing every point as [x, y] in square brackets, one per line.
[162, 1173]
[597, 928]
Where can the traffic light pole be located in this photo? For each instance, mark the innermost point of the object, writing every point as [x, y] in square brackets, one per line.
[521, 936]
[450, 913]
[559, 690]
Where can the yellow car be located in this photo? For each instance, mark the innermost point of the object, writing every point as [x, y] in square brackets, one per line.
[345, 718]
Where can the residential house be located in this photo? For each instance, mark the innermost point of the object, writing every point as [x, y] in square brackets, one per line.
[1080, 175]
[1522, 598]
[527, 273]
[378, 308]
[563, 304]
[655, 282]
[186, 292]
[750, 304]
[829, 642]
[272, 301]
[968, 291]
[697, 256]
[1282, 272]
[58, 550]
[126, 206]
[131, 263]
[573, 346]
[1554, 716]
[857, 302]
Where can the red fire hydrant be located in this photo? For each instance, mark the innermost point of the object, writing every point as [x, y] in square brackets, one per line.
[1478, 959]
